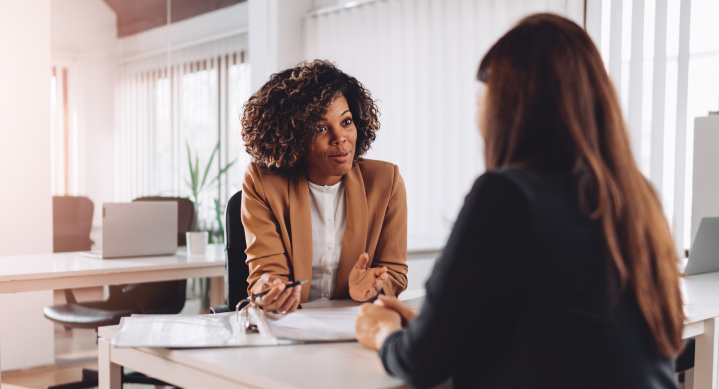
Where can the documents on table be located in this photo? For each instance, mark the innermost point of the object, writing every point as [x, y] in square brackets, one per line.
[314, 325]
[224, 330]
[185, 331]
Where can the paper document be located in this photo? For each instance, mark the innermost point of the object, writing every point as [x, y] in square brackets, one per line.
[224, 330]
[185, 331]
[321, 324]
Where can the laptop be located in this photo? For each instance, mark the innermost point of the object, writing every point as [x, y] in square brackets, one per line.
[138, 229]
[704, 254]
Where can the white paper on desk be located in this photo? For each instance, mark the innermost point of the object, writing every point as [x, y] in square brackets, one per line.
[185, 331]
[315, 325]
[223, 330]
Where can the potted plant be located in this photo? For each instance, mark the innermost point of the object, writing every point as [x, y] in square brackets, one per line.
[198, 185]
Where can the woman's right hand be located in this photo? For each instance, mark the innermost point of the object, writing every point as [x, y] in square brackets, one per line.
[280, 299]
[405, 311]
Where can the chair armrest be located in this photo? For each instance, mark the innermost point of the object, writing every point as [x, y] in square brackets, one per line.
[220, 309]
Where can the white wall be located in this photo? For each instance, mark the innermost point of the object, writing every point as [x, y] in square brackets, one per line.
[419, 59]
[25, 202]
[85, 27]
[83, 38]
[276, 40]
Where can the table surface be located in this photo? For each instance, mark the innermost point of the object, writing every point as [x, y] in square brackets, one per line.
[334, 365]
[28, 267]
[341, 364]
[701, 296]
[53, 271]
[700, 292]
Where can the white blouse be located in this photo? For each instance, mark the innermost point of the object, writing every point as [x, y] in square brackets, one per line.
[329, 219]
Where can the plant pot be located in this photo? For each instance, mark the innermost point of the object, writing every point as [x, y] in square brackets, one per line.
[197, 242]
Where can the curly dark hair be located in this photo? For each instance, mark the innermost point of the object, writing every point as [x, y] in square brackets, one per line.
[281, 119]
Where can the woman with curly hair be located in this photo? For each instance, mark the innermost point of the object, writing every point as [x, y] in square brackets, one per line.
[312, 207]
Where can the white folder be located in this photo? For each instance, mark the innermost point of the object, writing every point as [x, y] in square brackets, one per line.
[317, 325]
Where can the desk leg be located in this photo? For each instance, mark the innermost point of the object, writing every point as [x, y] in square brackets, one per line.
[217, 291]
[110, 374]
[706, 356]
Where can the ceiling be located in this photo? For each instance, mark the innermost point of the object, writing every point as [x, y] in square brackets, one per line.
[134, 16]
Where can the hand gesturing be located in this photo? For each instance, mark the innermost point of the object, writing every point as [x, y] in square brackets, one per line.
[365, 283]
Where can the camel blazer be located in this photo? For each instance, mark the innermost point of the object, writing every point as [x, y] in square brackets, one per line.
[278, 225]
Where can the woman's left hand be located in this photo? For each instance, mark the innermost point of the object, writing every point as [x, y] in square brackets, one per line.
[365, 283]
[374, 324]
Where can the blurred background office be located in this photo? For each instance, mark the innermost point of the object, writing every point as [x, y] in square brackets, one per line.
[118, 99]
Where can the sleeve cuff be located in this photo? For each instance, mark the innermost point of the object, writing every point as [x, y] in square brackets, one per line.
[387, 352]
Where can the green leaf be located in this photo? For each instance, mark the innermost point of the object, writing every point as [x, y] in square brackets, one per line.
[192, 171]
[209, 165]
[222, 171]
[196, 175]
[227, 167]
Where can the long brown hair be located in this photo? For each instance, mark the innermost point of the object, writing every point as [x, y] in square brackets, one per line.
[550, 105]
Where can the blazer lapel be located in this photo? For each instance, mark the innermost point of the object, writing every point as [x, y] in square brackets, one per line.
[354, 241]
[301, 231]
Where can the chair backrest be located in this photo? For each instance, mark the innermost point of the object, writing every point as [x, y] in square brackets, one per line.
[71, 222]
[186, 215]
[235, 257]
[166, 297]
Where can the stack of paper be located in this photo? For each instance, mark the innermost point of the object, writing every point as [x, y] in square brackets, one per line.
[185, 331]
[224, 330]
[322, 324]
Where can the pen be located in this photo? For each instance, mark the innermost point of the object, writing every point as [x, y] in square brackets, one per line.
[291, 284]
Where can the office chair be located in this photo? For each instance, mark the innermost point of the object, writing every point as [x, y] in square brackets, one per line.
[71, 223]
[167, 297]
[685, 360]
[235, 257]
[186, 215]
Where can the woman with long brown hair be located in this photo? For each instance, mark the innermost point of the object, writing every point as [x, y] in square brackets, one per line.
[560, 271]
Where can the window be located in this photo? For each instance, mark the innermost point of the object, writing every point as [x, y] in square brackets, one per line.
[186, 99]
[63, 134]
[663, 91]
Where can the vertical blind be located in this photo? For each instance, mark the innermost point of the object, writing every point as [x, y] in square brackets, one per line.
[419, 59]
[167, 103]
[662, 56]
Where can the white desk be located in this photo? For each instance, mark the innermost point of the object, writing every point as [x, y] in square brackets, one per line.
[331, 365]
[701, 298]
[26, 273]
[349, 364]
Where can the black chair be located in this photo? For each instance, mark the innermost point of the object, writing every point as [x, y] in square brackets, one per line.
[685, 360]
[167, 297]
[71, 223]
[186, 215]
[235, 257]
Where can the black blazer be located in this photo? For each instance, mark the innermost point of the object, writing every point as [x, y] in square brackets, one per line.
[525, 296]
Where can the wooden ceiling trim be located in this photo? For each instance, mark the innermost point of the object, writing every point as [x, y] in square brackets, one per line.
[135, 16]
